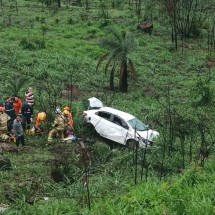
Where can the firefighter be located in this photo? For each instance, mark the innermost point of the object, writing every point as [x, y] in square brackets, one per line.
[4, 118]
[41, 117]
[67, 111]
[60, 124]
[17, 105]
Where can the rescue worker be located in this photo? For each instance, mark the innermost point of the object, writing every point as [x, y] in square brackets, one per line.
[9, 110]
[4, 118]
[60, 125]
[67, 111]
[17, 105]
[29, 96]
[27, 114]
[69, 129]
[41, 117]
[18, 130]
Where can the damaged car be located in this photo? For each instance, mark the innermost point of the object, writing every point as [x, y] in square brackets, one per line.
[118, 126]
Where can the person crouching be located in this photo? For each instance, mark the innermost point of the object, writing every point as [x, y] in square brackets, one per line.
[60, 124]
[41, 118]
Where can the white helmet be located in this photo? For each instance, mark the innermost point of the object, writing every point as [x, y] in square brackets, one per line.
[57, 110]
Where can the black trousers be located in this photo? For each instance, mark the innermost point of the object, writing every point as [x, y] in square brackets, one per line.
[26, 123]
[20, 139]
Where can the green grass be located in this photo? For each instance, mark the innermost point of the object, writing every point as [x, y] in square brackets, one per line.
[169, 82]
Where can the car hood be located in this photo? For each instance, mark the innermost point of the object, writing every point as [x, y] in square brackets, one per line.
[148, 134]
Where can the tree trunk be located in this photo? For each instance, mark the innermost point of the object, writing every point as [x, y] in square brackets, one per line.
[58, 3]
[87, 5]
[111, 82]
[123, 79]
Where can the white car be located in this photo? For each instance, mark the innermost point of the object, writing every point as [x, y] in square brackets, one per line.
[119, 126]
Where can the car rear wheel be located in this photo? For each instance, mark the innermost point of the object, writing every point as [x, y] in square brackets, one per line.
[132, 143]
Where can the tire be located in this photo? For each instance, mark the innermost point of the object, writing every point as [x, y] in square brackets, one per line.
[132, 144]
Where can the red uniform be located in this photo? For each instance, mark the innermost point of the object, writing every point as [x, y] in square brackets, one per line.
[17, 106]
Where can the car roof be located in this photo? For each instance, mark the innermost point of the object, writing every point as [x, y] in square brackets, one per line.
[123, 115]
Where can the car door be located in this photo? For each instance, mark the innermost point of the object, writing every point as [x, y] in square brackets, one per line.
[119, 130]
[103, 123]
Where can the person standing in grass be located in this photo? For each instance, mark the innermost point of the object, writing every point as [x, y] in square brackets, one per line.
[29, 96]
[17, 105]
[18, 131]
[27, 114]
[9, 110]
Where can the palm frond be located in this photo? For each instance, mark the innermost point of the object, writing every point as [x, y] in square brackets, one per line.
[130, 43]
[109, 43]
[101, 60]
[107, 65]
[116, 34]
[113, 58]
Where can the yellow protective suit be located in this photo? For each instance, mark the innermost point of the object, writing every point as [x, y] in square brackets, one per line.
[60, 124]
[4, 118]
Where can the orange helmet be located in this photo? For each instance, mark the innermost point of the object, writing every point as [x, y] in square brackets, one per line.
[66, 112]
[67, 108]
[42, 116]
[2, 109]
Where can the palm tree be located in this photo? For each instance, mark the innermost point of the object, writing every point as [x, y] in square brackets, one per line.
[119, 45]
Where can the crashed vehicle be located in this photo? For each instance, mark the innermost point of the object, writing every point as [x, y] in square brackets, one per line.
[118, 126]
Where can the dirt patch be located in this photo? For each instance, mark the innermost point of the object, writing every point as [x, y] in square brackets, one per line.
[8, 147]
[187, 45]
[151, 91]
[69, 161]
[30, 187]
[211, 63]
[71, 92]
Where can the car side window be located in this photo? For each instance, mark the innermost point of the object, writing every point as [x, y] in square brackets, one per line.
[120, 122]
[104, 115]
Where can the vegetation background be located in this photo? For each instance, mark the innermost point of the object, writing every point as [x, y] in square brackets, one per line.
[71, 50]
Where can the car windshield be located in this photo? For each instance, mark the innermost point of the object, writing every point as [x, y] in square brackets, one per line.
[138, 125]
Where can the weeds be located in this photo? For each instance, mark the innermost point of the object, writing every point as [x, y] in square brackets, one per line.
[174, 90]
